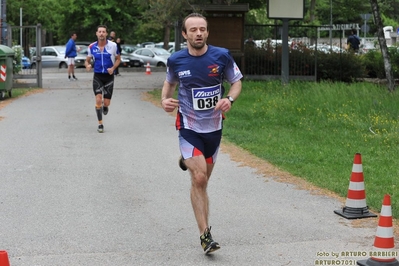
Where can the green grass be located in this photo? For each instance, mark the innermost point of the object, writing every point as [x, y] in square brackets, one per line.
[313, 131]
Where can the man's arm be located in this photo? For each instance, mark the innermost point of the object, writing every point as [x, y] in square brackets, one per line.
[116, 64]
[88, 63]
[168, 103]
[224, 104]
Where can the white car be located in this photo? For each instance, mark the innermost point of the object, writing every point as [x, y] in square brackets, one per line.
[52, 56]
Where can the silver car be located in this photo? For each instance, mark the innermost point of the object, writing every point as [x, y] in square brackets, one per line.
[155, 56]
[52, 56]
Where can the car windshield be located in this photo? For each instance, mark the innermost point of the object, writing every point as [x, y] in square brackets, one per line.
[60, 49]
[160, 52]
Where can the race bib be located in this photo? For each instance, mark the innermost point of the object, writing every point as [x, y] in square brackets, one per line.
[206, 98]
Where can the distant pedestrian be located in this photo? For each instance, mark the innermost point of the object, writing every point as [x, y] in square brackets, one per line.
[118, 45]
[112, 36]
[70, 54]
[106, 60]
[353, 41]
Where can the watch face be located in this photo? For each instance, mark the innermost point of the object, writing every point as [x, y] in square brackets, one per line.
[231, 99]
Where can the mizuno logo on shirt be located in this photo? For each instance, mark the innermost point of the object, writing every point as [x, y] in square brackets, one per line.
[200, 94]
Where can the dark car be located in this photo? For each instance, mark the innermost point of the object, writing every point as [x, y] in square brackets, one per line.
[129, 60]
[129, 48]
[80, 58]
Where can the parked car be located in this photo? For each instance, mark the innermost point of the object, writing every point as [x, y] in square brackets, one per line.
[83, 43]
[81, 58]
[172, 49]
[147, 44]
[155, 56]
[52, 56]
[25, 62]
[160, 45]
[129, 60]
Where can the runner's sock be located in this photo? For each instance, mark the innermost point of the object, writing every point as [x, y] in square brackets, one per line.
[99, 113]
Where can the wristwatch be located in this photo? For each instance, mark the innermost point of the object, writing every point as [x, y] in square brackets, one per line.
[231, 99]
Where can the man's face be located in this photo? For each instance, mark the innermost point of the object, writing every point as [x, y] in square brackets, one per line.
[197, 32]
[101, 33]
[74, 36]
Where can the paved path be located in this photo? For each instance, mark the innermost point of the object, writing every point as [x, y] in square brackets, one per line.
[71, 196]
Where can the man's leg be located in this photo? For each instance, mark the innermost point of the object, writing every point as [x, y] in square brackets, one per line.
[69, 71]
[97, 89]
[108, 91]
[73, 69]
[200, 175]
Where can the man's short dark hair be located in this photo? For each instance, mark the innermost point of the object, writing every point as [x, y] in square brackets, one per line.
[102, 26]
[193, 15]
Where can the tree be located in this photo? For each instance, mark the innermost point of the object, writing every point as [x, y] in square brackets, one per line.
[383, 45]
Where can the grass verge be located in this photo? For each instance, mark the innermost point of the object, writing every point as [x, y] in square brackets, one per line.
[313, 130]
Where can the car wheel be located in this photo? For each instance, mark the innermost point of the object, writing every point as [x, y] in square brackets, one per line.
[161, 64]
[63, 65]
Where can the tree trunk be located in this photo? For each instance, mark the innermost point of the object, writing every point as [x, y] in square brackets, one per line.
[166, 36]
[383, 45]
[312, 9]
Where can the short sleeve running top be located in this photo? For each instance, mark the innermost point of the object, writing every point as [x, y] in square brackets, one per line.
[103, 59]
[200, 81]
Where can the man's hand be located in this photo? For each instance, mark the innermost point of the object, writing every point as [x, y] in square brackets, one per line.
[169, 104]
[88, 67]
[111, 70]
[223, 104]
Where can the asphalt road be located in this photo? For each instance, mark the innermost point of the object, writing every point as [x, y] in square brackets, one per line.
[72, 196]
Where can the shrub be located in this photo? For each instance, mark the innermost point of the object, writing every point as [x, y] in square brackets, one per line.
[17, 65]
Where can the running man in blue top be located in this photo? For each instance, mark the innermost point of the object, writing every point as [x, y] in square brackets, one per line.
[200, 71]
[106, 59]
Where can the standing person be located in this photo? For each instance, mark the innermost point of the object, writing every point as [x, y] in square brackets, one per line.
[112, 35]
[118, 45]
[71, 53]
[200, 71]
[353, 41]
[106, 59]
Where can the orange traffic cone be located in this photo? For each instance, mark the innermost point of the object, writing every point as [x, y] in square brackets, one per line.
[356, 206]
[4, 258]
[383, 253]
[148, 69]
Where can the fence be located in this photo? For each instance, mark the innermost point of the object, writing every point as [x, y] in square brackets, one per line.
[29, 39]
[263, 59]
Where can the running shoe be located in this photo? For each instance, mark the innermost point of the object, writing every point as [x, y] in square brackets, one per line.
[207, 242]
[75, 78]
[105, 110]
[100, 128]
[182, 165]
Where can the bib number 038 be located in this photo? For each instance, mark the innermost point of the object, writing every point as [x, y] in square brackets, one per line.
[206, 98]
[208, 103]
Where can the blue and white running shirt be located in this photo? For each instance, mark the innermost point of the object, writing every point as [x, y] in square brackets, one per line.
[200, 81]
[105, 59]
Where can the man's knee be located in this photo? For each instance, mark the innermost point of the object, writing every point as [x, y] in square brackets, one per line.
[199, 180]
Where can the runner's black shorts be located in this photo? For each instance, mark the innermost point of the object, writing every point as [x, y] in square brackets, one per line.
[103, 82]
[193, 144]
